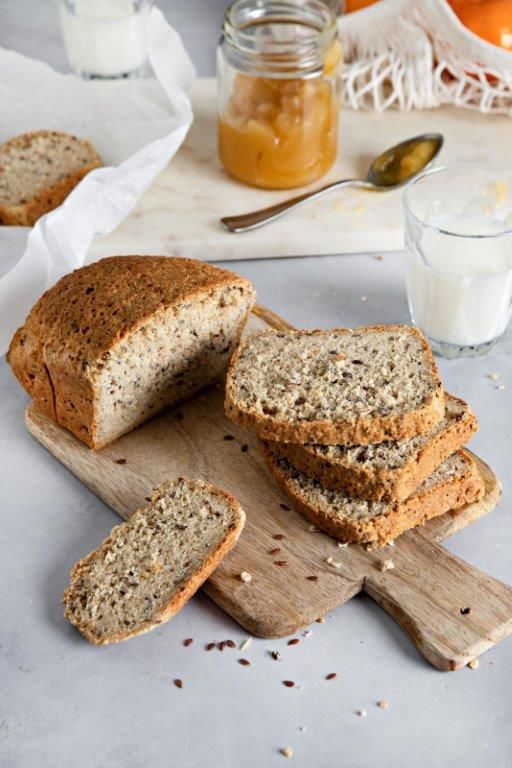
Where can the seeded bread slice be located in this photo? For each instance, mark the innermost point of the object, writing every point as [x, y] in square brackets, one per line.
[115, 342]
[347, 387]
[38, 170]
[454, 483]
[148, 567]
[390, 470]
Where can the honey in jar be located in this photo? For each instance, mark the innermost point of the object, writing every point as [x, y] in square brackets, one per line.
[278, 117]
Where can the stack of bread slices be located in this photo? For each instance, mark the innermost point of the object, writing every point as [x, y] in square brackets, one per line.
[356, 427]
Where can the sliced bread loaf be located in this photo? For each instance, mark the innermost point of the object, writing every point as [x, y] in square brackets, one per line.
[113, 343]
[38, 171]
[148, 567]
[454, 483]
[335, 387]
[389, 470]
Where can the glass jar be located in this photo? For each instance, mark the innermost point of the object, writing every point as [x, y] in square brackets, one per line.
[278, 65]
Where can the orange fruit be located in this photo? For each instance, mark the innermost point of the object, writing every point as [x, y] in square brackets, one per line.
[356, 5]
[489, 19]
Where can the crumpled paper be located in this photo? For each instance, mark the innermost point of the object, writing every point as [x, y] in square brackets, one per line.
[136, 126]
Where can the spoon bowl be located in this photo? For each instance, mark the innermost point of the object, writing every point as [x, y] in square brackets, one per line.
[390, 170]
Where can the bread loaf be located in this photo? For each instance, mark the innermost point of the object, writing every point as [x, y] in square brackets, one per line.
[113, 343]
[389, 470]
[335, 387]
[454, 483]
[38, 171]
[148, 567]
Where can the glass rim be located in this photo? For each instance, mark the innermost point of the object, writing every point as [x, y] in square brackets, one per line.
[453, 167]
[283, 58]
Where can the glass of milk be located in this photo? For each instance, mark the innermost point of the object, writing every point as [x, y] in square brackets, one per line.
[458, 256]
[105, 38]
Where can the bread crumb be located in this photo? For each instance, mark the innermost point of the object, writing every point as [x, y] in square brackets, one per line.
[386, 565]
[383, 704]
[493, 376]
[287, 752]
[501, 386]
[361, 712]
[364, 298]
[246, 577]
[321, 620]
[473, 664]
[391, 543]
[342, 544]
[245, 644]
[328, 560]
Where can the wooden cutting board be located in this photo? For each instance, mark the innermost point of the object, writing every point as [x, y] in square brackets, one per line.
[429, 590]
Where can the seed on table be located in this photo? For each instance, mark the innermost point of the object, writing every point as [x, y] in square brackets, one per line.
[244, 662]
[230, 643]
[244, 448]
[281, 562]
[331, 676]
[283, 506]
[294, 641]
[279, 536]
[221, 645]
[210, 646]
[188, 642]
[288, 683]
[275, 551]
[178, 683]
[228, 437]
[312, 578]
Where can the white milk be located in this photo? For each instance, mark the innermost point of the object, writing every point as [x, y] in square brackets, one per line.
[106, 38]
[463, 297]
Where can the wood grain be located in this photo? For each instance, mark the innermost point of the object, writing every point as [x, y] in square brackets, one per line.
[424, 592]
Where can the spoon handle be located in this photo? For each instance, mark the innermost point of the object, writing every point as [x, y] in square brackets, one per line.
[247, 221]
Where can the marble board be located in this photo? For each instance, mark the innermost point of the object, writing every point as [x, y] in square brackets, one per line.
[180, 213]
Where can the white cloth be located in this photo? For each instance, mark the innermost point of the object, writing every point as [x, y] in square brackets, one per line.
[137, 126]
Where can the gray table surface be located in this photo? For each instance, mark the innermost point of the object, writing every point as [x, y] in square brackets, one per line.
[64, 703]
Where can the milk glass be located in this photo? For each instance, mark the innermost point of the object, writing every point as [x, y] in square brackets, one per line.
[105, 38]
[458, 257]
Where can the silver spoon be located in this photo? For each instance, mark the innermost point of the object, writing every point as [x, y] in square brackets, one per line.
[390, 170]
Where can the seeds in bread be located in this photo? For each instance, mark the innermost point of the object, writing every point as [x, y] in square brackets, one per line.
[389, 470]
[38, 170]
[113, 343]
[148, 567]
[347, 387]
[455, 483]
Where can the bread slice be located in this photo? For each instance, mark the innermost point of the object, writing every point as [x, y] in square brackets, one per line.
[389, 470]
[113, 343]
[347, 387]
[148, 567]
[454, 483]
[38, 171]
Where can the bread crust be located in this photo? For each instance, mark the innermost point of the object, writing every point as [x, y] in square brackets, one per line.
[26, 214]
[384, 484]
[401, 516]
[79, 320]
[189, 587]
[358, 432]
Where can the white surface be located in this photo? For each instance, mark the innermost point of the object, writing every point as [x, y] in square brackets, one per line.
[180, 213]
[65, 704]
[105, 38]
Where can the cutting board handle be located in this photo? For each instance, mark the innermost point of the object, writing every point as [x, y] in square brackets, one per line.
[452, 611]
